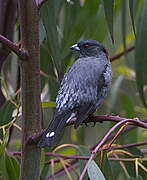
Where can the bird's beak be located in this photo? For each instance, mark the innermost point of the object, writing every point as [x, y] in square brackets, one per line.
[75, 47]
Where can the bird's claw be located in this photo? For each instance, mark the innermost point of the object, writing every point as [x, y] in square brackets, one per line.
[86, 125]
[94, 123]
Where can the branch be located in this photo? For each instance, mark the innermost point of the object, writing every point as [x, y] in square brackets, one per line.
[117, 56]
[95, 119]
[84, 157]
[128, 145]
[23, 54]
[87, 157]
[126, 159]
[132, 121]
[67, 157]
[61, 171]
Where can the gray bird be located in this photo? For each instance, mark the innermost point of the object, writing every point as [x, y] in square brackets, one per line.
[82, 90]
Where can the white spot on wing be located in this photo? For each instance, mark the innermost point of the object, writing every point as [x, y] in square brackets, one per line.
[50, 134]
[47, 135]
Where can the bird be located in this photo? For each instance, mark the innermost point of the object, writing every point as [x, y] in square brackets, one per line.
[82, 90]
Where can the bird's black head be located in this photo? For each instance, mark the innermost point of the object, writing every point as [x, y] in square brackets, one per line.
[89, 48]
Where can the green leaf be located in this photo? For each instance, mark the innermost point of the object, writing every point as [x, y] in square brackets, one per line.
[42, 160]
[9, 168]
[49, 18]
[3, 170]
[46, 64]
[128, 106]
[83, 151]
[115, 90]
[132, 9]
[94, 171]
[108, 6]
[135, 151]
[141, 53]
[124, 15]
[6, 113]
[13, 168]
[53, 85]
[104, 164]
[48, 104]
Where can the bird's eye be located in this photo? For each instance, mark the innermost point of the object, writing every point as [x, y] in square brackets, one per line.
[86, 45]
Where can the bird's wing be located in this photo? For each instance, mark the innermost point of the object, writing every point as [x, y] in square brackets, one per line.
[80, 87]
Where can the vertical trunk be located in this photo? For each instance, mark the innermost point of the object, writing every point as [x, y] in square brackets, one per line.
[30, 86]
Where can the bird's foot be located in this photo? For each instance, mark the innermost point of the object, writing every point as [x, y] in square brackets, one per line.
[86, 125]
[94, 123]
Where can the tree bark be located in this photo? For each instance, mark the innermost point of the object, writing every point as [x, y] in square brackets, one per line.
[30, 87]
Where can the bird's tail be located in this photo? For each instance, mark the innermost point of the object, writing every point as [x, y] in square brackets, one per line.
[52, 133]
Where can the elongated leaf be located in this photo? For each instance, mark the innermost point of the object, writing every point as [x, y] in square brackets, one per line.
[46, 64]
[3, 170]
[84, 151]
[124, 15]
[141, 53]
[75, 25]
[128, 106]
[42, 160]
[6, 113]
[104, 164]
[9, 168]
[13, 168]
[131, 6]
[48, 15]
[130, 165]
[108, 6]
[115, 90]
[94, 171]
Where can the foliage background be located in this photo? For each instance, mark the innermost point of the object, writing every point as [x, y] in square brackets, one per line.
[118, 25]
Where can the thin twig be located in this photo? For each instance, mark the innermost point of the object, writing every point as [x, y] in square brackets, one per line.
[133, 121]
[61, 171]
[67, 157]
[126, 159]
[23, 54]
[73, 162]
[128, 145]
[85, 157]
[117, 56]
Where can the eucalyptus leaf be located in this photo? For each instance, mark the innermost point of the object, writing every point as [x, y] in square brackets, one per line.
[141, 54]
[108, 6]
[132, 11]
[115, 91]
[48, 16]
[6, 113]
[9, 168]
[94, 171]
[83, 151]
[124, 15]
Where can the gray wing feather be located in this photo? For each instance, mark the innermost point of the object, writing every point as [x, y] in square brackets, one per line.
[83, 85]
